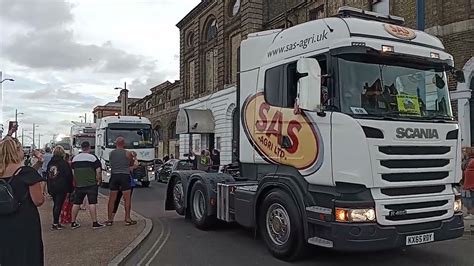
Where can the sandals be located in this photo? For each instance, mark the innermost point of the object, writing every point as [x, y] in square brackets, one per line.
[109, 223]
[131, 222]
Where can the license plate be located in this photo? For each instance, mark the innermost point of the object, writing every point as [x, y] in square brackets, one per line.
[419, 239]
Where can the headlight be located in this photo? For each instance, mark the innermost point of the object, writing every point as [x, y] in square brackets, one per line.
[457, 205]
[150, 168]
[108, 169]
[355, 215]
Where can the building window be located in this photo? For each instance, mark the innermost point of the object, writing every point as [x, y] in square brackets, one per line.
[234, 8]
[190, 40]
[148, 104]
[316, 13]
[190, 76]
[211, 29]
[235, 44]
[211, 68]
[172, 131]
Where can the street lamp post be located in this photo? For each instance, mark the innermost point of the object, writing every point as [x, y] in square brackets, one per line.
[39, 140]
[16, 117]
[34, 126]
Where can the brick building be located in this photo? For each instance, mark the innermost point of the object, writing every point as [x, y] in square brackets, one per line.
[161, 107]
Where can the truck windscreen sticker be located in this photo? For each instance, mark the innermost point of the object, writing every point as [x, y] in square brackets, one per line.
[266, 126]
[302, 44]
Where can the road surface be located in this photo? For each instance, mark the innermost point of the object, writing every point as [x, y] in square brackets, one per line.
[175, 241]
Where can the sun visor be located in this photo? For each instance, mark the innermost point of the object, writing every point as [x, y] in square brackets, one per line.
[194, 121]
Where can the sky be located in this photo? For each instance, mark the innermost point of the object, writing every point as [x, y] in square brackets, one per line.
[67, 56]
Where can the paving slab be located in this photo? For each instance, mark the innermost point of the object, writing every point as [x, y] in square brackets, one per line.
[85, 246]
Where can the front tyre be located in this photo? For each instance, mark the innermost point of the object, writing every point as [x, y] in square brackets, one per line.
[281, 226]
[145, 183]
[199, 207]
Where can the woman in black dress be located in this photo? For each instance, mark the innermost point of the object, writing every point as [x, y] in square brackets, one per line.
[20, 233]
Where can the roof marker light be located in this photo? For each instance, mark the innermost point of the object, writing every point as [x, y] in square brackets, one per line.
[387, 48]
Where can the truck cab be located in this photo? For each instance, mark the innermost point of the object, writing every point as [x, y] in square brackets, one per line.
[347, 140]
[139, 137]
[81, 132]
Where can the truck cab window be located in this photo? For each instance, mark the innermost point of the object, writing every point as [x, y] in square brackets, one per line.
[281, 84]
[274, 85]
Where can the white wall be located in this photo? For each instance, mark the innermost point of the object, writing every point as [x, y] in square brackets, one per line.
[221, 104]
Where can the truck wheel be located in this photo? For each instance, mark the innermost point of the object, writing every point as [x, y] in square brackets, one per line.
[145, 183]
[104, 185]
[178, 196]
[281, 226]
[199, 205]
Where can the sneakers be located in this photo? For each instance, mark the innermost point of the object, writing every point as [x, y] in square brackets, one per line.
[57, 227]
[469, 217]
[75, 225]
[97, 225]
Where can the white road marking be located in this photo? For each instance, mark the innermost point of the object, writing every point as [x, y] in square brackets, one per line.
[154, 245]
[159, 248]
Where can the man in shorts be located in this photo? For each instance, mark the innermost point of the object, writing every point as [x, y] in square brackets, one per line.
[121, 164]
[87, 175]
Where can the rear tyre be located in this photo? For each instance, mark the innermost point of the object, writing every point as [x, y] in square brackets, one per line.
[178, 196]
[281, 226]
[145, 183]
[199, 207]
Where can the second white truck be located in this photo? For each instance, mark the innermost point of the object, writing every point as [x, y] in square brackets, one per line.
[139, 138]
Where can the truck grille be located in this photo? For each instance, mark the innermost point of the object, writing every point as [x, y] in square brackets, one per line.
[404, 191]
[411, 183]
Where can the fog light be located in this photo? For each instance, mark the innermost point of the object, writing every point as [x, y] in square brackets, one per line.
[355, 215]
[434, 55]
[457, 205]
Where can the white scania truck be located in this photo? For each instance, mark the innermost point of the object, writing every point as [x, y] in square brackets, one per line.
[347, 140]
[138, 136]
[81, 132]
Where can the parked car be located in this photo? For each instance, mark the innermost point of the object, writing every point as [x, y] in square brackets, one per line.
[164, 172]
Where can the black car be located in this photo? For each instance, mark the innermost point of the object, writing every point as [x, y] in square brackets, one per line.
[164, 172]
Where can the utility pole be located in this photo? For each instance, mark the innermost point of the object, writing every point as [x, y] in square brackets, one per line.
[85, 118]
[39, 141]
[33, 146]
[420, 15]
[22, 136]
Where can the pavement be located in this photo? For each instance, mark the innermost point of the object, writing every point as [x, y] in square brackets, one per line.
[468, 225]
[85, 246]
[175, 241]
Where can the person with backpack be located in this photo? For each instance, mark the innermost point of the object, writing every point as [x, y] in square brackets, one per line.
[59, 175]
[21, 192]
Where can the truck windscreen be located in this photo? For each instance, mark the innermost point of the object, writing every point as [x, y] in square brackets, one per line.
[389, 88]
[134, 137]
[81, 139]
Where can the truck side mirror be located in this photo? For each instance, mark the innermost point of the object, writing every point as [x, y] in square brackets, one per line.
[309, 84]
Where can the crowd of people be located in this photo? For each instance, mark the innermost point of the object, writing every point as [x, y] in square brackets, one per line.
[26, 182]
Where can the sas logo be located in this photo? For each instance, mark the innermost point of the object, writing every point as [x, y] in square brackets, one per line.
[280, 136]
[400, 32]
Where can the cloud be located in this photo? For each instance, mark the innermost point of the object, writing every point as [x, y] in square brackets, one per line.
[141, 86]
[50, 44]
[40, 15]
[56, 49]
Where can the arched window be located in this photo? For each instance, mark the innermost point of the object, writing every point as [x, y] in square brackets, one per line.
[234, 8]
[211, 29]
[190, 40]
[172, 131]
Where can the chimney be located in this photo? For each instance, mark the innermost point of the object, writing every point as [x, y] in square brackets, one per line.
[124, 100]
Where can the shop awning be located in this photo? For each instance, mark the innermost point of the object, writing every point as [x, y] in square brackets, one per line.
[194, 121]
